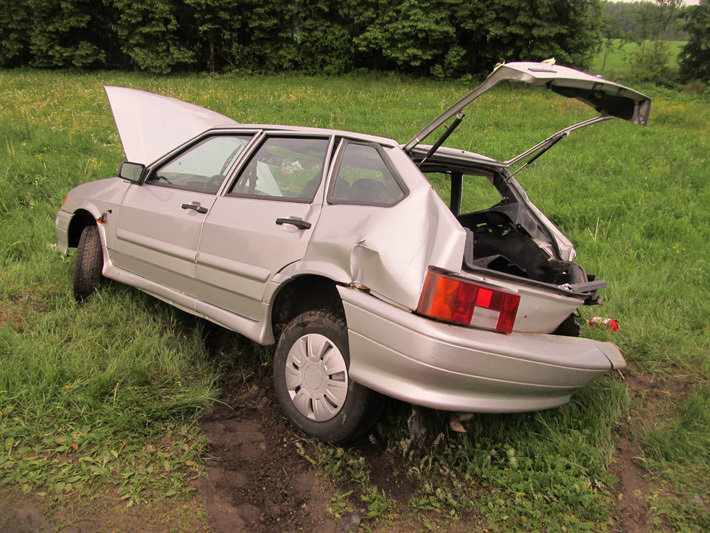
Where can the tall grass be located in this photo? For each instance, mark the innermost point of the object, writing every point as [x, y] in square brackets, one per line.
[108, 391]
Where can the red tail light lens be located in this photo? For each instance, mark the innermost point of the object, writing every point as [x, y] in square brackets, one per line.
[463, 302]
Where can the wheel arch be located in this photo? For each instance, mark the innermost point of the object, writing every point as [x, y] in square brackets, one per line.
[81, 219]
[301, 294]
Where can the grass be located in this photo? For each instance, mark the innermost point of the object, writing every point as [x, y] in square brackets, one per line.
[615, 59]
[107, 393]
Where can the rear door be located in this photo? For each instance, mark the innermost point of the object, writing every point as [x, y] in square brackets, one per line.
[263, 222]
[159, 221]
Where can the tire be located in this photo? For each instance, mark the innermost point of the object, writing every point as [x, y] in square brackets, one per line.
[89, 263]
[312, 381]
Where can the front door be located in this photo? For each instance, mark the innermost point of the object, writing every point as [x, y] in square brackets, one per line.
[262, 223]
[159, 221]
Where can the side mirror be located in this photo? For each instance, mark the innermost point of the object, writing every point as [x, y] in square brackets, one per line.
[132, 172]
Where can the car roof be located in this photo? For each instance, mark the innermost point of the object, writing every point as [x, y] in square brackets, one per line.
[307, 130]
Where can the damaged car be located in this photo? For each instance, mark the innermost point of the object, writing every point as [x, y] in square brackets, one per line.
[334, 246]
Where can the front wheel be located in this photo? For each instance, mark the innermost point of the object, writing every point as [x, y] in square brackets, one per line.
[312, 381]
[89, 263]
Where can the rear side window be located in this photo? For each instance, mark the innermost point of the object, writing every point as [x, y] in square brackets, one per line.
[286, 168]
[365, 177]
[203, 166]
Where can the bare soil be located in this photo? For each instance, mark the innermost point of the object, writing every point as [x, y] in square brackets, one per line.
[257, 482]
[652, 399]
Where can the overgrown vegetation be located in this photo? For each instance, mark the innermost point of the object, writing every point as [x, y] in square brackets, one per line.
[442, 39]
[649, 35]
[105, 395]
[695, 58]
[438, 38]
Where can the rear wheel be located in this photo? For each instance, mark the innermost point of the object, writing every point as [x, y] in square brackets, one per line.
[312, 381]
[89, 263]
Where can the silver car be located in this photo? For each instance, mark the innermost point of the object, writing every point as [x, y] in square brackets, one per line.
[335, 246]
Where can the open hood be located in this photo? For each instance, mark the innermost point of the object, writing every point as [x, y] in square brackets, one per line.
[610, 99]
[151, 125]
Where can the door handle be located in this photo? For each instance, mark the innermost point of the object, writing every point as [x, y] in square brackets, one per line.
[300, 224]
[195, 207]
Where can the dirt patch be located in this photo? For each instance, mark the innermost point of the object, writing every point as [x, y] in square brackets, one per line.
[632, 490]
[103, 513]
[256, 481]
[20, 514]
[651, 399]
[654, 396]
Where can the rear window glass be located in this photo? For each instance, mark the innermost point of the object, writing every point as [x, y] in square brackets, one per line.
[365, 178]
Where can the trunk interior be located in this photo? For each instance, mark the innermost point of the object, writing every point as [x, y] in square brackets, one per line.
[495, 243]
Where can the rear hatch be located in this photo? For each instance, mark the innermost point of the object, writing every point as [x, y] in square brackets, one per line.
[511, 244]
[609, 99]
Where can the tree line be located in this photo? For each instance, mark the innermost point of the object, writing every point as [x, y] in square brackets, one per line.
[432, 38]
[439, 38]
[652, 25]
[645, 20]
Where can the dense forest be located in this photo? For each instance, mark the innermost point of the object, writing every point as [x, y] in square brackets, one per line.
[433, 38]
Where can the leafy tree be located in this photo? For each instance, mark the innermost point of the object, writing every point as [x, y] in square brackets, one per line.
[516, 30]
[15, 21]
[65, 33]
[422, 37]
[268, 41]
[150, 34]
[242, 35]
[218, 23]
[413, 36]
[654, 22]
[694, 58]
[325, 31]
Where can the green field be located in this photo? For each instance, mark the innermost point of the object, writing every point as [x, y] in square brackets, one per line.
[616, 57]
[104, 397]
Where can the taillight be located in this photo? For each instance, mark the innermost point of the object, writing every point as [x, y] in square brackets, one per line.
[464, 302]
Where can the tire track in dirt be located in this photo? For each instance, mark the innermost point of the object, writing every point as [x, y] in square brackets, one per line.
[256, 481]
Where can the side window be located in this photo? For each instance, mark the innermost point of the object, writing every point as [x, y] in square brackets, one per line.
[365, 178]
[203, 166]
[284, 167]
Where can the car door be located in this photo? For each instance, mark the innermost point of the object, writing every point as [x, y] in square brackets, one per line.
[262, 223]
[160, 220]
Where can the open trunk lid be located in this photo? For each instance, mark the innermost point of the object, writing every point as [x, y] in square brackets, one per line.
[609, 99]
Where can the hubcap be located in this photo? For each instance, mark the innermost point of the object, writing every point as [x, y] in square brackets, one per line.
[316, 377]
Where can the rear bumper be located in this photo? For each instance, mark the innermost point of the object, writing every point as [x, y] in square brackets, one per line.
[453, 368]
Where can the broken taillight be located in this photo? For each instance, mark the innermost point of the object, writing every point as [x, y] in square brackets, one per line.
[464, 302]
